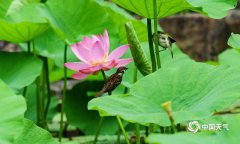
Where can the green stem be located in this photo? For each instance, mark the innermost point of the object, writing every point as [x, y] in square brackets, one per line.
[40, 101]
[151, 128]
[45, 60]
[29, 47]
[98, 130]
[105, 79]
[150, 43]
[161, 129]
[123, 130]
[34, 49]
[104, 75]
[64, 94]
[118, 135]
[102, 118]
[125, 90]
[138, 137]
[24, 91]
[29, 51]
[174, 130]
[138, 140]
[135, 74]
[146, 131]
[156, 33]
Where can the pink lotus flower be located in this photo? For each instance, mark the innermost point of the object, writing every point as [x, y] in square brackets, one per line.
[94, 54]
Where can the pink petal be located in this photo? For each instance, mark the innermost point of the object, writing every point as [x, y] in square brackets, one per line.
[88, 42]
[79, 76]
[106, 41]
[117, 53]
[123, 62]
[91, 70]
[76, 65]
[81, 52]
[108, 65]
[98, 51]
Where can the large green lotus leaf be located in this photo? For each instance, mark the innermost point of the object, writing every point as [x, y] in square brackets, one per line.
[213, 8]
[20, 32]
[33, 134]
[11, 112]
[20, 21]
[76, 109]
[11, 6]
[19, 69]
[234, 41]
[77, 19]
[13, 127]
[220, 137]
[230, 57]
[195, 89]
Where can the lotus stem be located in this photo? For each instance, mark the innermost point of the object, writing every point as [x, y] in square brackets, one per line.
[24, 91]
[38, 103]
[151, 128]
[29, 51]
[150, 43]
[123, 130]
[104, 75]
[98, 130]
[64, 93]
[118, 134]
[138, 140]
[34, 49]
[167, 106]
[102, 118]
[161, 129]
[40, 100]
[138, 136]
[45, 60]
[29, 47]
[156, 33]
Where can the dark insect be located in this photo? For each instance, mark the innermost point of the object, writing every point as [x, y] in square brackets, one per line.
[112, 82]
[165, 41]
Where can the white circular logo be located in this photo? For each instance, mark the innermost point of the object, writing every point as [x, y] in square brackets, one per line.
[193, 126]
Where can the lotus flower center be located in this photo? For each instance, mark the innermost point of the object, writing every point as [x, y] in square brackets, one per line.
[95, 63]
